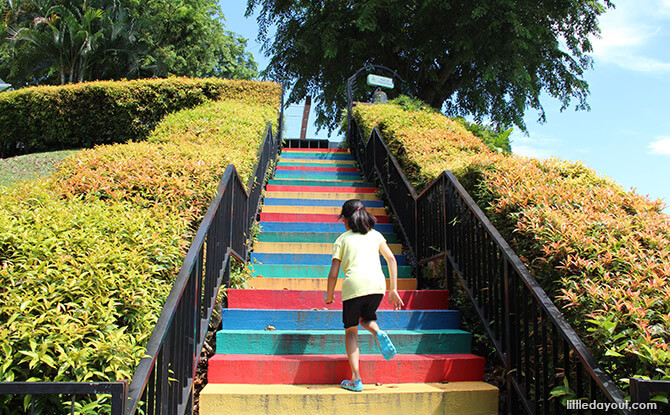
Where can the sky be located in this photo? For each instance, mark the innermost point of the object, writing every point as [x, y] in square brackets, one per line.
[626, 134]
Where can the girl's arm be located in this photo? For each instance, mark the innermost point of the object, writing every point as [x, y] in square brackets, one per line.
[332, 280]
[394, 297]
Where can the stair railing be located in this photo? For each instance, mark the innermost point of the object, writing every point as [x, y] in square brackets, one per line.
[539, 350]
[163, 380]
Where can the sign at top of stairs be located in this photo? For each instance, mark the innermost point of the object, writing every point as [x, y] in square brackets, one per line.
[281, 349]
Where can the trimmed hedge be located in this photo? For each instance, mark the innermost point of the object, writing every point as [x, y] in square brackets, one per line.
[603, 253]
[82, 115]
[88, 256]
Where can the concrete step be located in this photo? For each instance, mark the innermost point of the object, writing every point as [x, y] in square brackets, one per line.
[331, 227]
[306, 259]
[316, 284]
[315, 163]
[322, 210]
[315, 150]
[338, 160]
[307, 300]
[311, 271]
[332, 183]
[283, 319]
[332, 369]
[315, 189]
[322, 195]
[324, 175]
[310, 217]
[313, 237]
[268, 201]
[316, 168]
[305, 248]
[316, 155]
[311, 342]
[462, 398]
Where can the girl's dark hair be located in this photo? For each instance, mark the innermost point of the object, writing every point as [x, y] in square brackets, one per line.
[359, 219]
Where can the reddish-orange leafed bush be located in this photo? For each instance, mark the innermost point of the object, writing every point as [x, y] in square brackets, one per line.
[602, 252]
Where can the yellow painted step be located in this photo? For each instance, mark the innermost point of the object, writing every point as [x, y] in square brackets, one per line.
[306, 248]
[458, 398]
[313, 284]
[321, 195]
[330, 161]
[334, 210]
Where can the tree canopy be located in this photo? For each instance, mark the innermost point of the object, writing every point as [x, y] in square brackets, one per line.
[487, 58]
[61, 41]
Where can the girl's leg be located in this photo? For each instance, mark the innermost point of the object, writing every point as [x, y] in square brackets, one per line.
[369, 325]
[385, 345]
[353, 352]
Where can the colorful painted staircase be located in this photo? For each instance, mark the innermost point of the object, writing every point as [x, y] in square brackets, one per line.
[281, 349]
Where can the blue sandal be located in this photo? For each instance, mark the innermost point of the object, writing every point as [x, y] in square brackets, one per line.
[352, 385]
[385, 344]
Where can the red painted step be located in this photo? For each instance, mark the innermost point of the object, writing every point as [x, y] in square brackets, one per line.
[324, 189]
[331, 369]
[317, 168]
[310, 217]
[307, 300]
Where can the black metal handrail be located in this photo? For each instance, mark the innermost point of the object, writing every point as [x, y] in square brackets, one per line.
[117, 390]
[539, 350]
[641, 391]
[162, 382]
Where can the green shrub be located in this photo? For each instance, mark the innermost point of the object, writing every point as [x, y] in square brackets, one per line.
[88, 256]
[603, 253]
[83, 115]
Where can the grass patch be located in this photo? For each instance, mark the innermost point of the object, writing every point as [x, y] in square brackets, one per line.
[30, 166]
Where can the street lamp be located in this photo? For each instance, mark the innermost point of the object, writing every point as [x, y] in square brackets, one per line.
[3, 85]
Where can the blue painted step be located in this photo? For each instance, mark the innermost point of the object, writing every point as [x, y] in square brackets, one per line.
[311, 237]
[272, 201]
[333, 183]
[328, 156]
[306, 259]
[317, 175]
[253, 319]
[315, 227]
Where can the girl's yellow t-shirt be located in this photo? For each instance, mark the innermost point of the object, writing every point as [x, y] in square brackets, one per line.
[359, 256]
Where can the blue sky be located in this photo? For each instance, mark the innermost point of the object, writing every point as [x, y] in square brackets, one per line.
[625, 136]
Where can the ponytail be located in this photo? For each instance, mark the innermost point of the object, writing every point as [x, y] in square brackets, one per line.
[359, 219]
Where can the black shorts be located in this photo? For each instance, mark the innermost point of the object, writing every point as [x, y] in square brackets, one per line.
[365, 307]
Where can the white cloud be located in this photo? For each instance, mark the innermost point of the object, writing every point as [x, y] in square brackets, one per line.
[660, 146]
[629, 34]
[528, 151]
[536, 145]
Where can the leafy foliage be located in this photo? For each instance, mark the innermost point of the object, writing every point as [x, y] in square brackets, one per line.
[88, 255]
[488, 59]
[58, 42]
[603, 253]
[90, 113]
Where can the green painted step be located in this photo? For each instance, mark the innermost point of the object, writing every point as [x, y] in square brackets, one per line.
[314, 237]
[306, 163]
[311, 271]
[318, 342]
[315, 175]
[331, 183]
